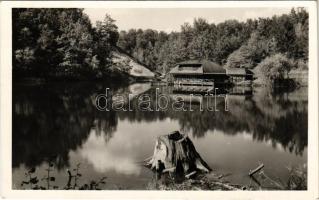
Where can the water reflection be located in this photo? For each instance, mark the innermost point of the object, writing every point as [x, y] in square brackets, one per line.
[50, 121]
[107, 156]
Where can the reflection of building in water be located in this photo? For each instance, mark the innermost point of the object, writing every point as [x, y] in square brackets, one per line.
[240, 90]
[201, 102]
[193, 88]
[196, 99]
[236, 98]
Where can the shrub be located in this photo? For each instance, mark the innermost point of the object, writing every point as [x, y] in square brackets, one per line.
[301, 65]
[274, 68]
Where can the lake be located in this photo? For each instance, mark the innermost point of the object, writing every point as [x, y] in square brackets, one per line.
[58, 124]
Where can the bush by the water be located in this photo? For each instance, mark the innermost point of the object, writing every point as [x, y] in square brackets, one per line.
[273, 68]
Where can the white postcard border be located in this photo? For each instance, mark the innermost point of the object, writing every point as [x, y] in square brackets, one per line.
[6, 106]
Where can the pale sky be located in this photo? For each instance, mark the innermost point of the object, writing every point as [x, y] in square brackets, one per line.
[171, 19]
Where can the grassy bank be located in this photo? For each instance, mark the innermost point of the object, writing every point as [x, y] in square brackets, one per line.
[297, 180]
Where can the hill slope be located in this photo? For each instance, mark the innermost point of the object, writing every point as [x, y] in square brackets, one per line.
[127, 64]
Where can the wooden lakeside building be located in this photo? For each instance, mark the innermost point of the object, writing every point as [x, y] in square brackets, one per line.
[204, 76]
[237, 75]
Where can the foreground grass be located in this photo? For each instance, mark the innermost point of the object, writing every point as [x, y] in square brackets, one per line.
[297, 180]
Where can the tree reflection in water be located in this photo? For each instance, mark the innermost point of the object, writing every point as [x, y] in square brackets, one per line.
[51, 120]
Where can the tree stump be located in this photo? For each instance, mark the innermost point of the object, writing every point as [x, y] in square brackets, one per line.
[176, 153]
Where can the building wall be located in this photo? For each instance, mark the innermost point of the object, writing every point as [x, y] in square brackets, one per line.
[205, 76]
[236, 79]
[217, 78]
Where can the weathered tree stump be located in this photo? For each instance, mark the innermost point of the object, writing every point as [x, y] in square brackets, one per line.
[175, 152]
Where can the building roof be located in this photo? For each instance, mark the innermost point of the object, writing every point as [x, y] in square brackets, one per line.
[238, 71]
[198, 67]
[212, 68]
[187, 70]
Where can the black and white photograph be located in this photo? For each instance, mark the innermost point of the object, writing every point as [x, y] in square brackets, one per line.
[164, 98]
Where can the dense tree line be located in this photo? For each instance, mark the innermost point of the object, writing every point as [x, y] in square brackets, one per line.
[230, 43]
[61, 43]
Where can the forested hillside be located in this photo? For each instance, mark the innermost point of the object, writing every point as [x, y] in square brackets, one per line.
[63, 43]
[268, 45]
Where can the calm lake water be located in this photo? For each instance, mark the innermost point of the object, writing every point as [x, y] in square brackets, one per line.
[58, 123]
